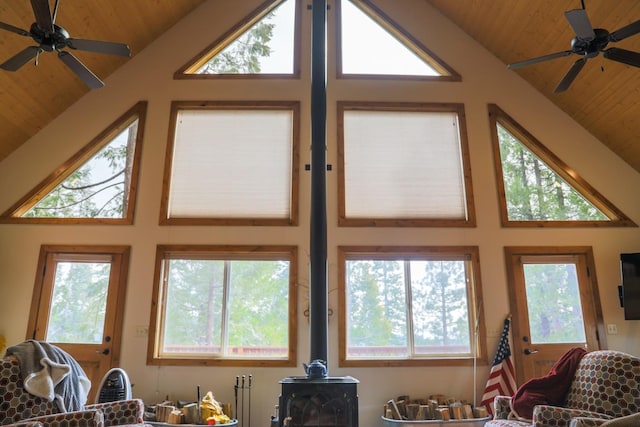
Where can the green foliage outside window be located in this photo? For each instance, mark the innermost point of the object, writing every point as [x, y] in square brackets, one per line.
[376, 304]
[226, 308]
[98, 189]
[556, 320]
[534, 192]
[440, 306]
[244, 54]
[78, 302]
[407, 308]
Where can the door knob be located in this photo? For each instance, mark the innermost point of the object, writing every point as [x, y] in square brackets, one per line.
[105, 351]
[528, 352]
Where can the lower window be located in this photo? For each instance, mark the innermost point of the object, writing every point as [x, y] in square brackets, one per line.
[410, 305]
[224, 305]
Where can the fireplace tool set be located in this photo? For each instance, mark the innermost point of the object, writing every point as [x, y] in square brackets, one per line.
[242, 386]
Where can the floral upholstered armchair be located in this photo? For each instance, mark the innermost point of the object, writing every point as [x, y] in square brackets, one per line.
[19, 408]
[605, 386]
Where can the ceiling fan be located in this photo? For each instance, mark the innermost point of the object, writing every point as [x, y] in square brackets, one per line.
[51, 37]
[588, 43]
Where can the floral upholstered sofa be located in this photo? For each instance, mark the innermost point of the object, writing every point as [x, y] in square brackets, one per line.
[606, 385]
[632, 420]
[19, 408]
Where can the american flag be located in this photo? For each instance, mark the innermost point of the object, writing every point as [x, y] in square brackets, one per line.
[502, 377]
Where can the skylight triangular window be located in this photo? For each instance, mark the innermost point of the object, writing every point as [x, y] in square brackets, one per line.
[371, 45]
[537, 189]
[97, 185]
[263, 43]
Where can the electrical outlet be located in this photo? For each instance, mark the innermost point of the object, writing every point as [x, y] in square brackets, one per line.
[612, 329]
[142, 331]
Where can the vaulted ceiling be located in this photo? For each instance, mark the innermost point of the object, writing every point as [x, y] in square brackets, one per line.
[604, 98]
[35, 95]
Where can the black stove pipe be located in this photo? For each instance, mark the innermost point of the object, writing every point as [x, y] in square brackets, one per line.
[318, 289]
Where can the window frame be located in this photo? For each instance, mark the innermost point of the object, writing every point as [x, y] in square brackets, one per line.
[187, 71]
[177, 106]
[409, 107]
[474, 291]
[13, 215]
[448, 74]
[616, 217]
[515, 258]
[89, 355]
[246, 252]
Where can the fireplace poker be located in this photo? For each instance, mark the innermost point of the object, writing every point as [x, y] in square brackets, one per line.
[242, 422]
[198, 393]
[235, 389]
[250, 377]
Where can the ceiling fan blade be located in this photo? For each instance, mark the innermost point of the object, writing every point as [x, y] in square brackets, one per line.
[623, 55]
[14, 29]
[42, 13]
[80, 70]
[580, 23]
[539, 59]
[18, 60]
[99, 46]
[624, 32]
[570, 76]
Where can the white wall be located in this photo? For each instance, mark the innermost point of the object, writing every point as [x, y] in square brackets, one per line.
[148, 76]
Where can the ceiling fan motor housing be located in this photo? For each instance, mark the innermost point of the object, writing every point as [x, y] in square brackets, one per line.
[590, 47]
[48, 40]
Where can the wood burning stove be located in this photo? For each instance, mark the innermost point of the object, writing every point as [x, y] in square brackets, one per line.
[323, 402]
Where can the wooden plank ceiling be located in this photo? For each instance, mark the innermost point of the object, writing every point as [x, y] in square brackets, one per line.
[604, 98]
[34, 95]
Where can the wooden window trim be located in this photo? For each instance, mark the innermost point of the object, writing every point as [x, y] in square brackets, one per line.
[396, 30]
[187, 71]
[119, 255]
[616, 217]
[513, 260]
[344, 221]
[346, 253]
[231, 252]
[137, 112]
[176, 106]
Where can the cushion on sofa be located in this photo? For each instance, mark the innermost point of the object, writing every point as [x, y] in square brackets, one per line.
[632, 420]
[550, 389]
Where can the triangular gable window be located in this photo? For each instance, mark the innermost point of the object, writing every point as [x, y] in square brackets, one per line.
[537, 189]
[96, 185]
[370, 44]
[262, 44]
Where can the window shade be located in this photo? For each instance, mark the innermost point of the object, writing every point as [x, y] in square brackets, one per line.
[232, 164]
[403, 165]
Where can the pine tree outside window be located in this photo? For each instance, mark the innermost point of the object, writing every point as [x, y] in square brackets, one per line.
[263, 44]
[534, 191]
[97, 189]
[97, 185]
[224, 305]
[411, 304]
[536, 188]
